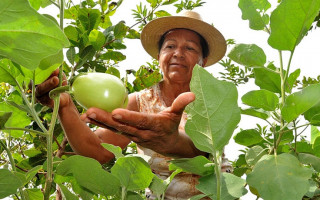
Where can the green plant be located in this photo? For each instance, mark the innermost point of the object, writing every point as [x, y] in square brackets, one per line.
[35, 156]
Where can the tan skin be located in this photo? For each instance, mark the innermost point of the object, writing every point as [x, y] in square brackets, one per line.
[179, 53]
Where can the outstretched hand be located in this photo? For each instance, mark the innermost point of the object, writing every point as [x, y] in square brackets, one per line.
[158, 132]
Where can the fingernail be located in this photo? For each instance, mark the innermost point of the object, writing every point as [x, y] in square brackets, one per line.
[86, 120]
[92, 115]
[117, 116]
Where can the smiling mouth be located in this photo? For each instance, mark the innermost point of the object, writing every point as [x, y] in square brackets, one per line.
[177, 65]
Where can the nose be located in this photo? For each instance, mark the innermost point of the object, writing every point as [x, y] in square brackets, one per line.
[178, 52]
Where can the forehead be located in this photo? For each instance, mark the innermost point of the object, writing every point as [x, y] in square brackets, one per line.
[183, 34]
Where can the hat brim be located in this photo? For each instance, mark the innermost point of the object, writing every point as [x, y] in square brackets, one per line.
[153, 31]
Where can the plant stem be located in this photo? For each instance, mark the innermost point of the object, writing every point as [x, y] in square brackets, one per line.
[49, 177]
[217, 170]
[12, 164]
[124, 193]
[26, 130]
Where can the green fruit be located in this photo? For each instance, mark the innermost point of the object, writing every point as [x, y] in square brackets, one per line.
[99, 90]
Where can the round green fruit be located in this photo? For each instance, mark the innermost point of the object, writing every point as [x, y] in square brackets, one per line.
[99, 90]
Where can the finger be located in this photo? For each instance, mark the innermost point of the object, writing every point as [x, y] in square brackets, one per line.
[104, 119]
[181, 102]
[139, 120]
[46, 86]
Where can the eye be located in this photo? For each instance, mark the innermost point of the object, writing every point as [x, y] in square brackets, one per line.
[169, 46]
[190, 48]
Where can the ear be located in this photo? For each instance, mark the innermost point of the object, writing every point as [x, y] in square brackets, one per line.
[204, 62]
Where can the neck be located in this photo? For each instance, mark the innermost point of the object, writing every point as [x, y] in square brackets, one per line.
[170, 91]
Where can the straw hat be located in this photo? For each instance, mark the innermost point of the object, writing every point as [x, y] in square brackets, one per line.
[153, 31]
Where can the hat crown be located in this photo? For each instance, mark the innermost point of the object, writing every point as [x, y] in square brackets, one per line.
[191, 14]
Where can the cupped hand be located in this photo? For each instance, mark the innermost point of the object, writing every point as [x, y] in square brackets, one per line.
[43, 89]
[158, 132]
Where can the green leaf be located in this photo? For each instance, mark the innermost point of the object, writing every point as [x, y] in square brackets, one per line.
[291, 80]
[299, 102]
[290, 22]
[306, 158]
[254, 154]
[133, 196]
[120, 30]
[254, 11]
[9, 183]
[255, 113]
[261, 99]
[31, 173]
[133, 172]
[249, 55]
[232, 187]
[316, 147]
[214, 115]
[248, 137]
[4, 117]
[22, 32]
[66, 193]
[168, 2]
[162, 13]
[117, 151]
[96, 39]
[314, 134]
[71, 54]
[89, 174]
[114, 71]
[19, 118]
[89, 18]
[146, 77]
[6, 76]
[267, 79]
[133, 34]
[194, 165]
[313, 115]
[113, 55]
[34, 194]
[283, 175]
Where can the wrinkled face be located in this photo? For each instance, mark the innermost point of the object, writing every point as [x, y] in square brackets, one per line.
[180, 51]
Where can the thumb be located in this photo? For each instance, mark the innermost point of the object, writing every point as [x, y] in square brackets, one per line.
[181, 102]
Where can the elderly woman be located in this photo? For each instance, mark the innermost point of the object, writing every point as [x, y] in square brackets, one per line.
[154, 118]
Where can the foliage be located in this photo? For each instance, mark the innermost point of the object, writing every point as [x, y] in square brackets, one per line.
[35, 156]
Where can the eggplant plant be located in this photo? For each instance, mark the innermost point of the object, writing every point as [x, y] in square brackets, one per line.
[36, 161]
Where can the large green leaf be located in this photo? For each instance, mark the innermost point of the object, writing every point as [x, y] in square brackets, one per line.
[290, 22]
[8, 72]
[133, 172]
[267, 79]
[261, 99]
[199, 165]
[232, 187]
[249, 55]
[254, 11]
[9, 183]
[214, 115]
[27, 37]
[89, 174]
[254, 154]
[299, 102]
[280, 177]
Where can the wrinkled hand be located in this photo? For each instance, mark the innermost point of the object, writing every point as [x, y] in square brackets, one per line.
[43, 89]
[158, 132]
